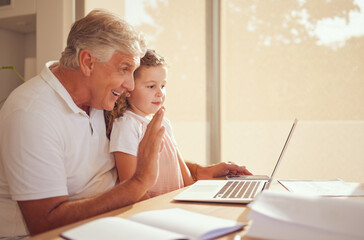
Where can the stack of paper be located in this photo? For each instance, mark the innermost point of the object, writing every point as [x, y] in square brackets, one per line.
[329, 188]
[284, 215]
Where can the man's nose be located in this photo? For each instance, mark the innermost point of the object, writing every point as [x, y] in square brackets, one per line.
[128, 84]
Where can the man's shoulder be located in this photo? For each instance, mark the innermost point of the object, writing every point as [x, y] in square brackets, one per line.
[24, 96]
[34, 100]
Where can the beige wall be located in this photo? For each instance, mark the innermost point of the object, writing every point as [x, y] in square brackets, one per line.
[11, 47]
[111, 5]
[41, 26]
[54, 20]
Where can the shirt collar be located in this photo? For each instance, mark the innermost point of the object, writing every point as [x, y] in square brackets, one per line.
[47, 75]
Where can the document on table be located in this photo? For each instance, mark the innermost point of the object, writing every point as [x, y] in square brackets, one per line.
[161, 224]
[285, 215]
[332, 188]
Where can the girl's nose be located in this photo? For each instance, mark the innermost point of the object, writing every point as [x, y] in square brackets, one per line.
[159, 92]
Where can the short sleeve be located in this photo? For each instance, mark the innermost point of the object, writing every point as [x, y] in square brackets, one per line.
[126, 135]
[32, 157]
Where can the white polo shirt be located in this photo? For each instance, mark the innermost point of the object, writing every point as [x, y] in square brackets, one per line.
[49, 147]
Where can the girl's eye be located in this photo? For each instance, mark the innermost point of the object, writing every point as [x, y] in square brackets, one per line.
[150, 86]
[163, 86]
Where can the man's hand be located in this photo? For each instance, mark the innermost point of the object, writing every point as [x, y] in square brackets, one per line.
[149, 149]
[221, 169]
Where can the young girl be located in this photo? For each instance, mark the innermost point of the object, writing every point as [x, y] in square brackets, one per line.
[128, 121]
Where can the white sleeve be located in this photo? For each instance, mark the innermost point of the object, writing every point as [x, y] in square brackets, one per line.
[33, 157]
[126, 135]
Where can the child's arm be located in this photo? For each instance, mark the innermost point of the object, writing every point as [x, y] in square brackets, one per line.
[126, 166]
[186, 174]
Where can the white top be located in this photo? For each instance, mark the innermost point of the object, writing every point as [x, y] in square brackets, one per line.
[49, 147]
[127, 132]
[125, 137]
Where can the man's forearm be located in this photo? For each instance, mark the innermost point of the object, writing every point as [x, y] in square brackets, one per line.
[46, 214]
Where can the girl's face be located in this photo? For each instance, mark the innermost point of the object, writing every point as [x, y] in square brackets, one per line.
[149, 92]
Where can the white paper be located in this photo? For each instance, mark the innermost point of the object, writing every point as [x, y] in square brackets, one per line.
[334, 187]
[283, 215]
[158, 224]
[275, 229]
[115, 228]
[187, 222]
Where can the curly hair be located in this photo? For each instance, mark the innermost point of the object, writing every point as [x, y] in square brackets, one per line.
[118, 111]
[150, 59]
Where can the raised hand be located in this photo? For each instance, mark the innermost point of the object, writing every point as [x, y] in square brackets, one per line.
[149, 149]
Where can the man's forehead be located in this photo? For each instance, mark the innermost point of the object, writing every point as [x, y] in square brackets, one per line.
[128, 59]
[132, 60]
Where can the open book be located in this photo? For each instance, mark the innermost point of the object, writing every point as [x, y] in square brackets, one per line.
[172, 223]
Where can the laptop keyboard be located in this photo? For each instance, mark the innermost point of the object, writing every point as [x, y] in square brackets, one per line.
[238, 189]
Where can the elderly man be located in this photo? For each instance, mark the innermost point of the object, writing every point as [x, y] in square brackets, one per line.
[55, 165]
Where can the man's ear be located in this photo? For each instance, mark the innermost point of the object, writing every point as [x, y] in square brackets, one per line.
[86, 62]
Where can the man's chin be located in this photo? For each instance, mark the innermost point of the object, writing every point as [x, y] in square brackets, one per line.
[109, 106]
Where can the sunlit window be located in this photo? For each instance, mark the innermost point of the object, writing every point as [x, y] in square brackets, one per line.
[286, 59]
[279, 60]
[176, 29]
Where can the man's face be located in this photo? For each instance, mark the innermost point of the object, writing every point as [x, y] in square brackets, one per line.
[109, 80]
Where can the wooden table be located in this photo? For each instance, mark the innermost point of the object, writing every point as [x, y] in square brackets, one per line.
[237, 212]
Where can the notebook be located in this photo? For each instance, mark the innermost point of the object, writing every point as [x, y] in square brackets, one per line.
[232, 190]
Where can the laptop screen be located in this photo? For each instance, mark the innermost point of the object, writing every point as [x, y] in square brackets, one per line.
[282, 153]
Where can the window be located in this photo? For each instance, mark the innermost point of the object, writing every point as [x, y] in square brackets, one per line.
[176, 29]
[277, 60]
[286, 59]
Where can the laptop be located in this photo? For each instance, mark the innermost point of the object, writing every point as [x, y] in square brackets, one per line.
[232, 190]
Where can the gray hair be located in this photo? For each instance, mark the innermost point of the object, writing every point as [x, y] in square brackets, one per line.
[102, 33]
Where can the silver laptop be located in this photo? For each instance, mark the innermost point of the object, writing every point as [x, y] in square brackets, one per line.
[233, 190]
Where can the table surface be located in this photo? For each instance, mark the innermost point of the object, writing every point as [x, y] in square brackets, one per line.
[237, 212]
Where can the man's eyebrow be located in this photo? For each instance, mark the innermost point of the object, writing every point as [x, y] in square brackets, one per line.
[128, 64]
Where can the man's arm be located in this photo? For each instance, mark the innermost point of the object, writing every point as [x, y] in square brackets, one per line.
[49, 213]
[45, 214]
[216, 170]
